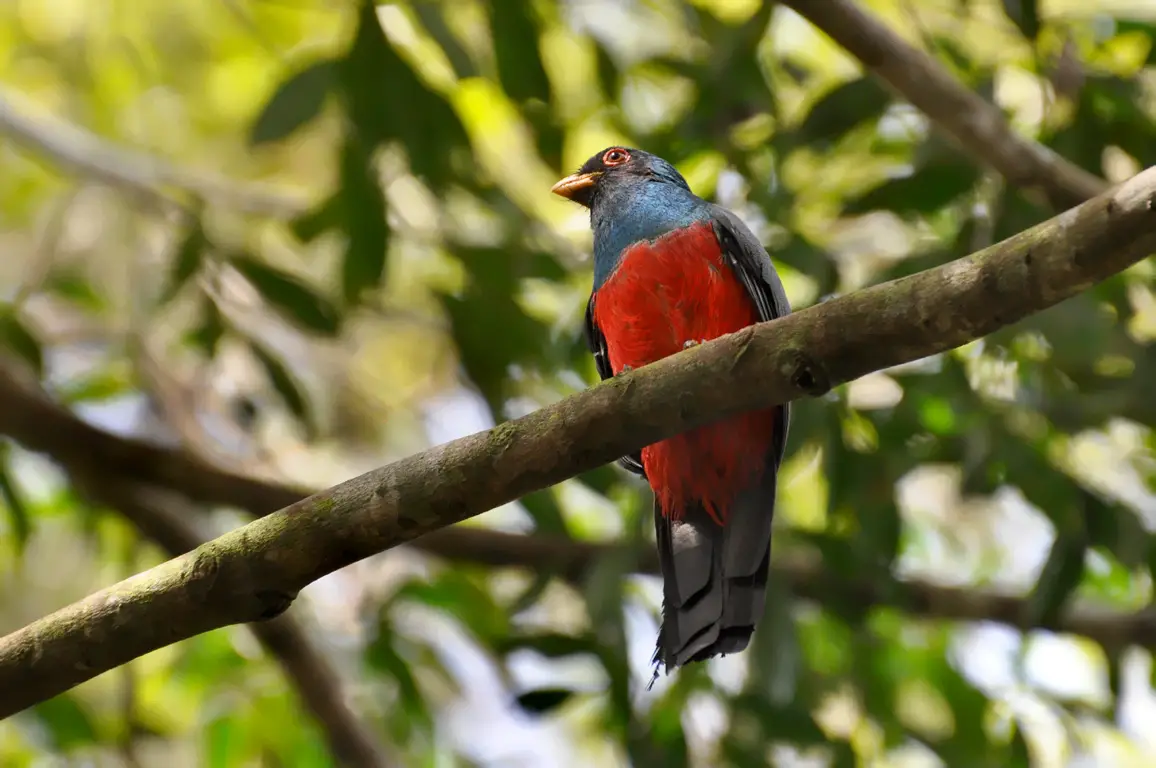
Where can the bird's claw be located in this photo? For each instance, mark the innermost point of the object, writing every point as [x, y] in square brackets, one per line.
[624, 370]
[692, 343]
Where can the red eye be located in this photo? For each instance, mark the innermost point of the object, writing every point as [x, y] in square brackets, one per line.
[615, 156]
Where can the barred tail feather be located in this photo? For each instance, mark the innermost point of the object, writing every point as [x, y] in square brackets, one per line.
[714, 577]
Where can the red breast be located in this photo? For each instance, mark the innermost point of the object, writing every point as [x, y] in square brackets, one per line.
[663, 293]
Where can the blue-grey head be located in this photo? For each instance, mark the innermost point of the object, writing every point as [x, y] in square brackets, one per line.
[632, 196]
[613, 170]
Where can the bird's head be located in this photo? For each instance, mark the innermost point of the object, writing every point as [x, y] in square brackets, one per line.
[615, 168]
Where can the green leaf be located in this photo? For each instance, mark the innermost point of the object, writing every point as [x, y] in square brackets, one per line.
[531, 594]
[16, 337]
[516, 43]
[550, 644]
[879, 667]
[190, 256]
[938, 415]
[604, 592]
[363, 75]
[776, 655]
[294, 104]
[366, 226]
[97, 387]
[545, 265]
[432, 17]
[794, 725]
[1118, 529]
[207, 333]
[1115, 677]
[608, 74]
[659, 738]
[732, 84]
[969, 743]
[72, 285]
[19, 519]
[383, 95]
[543, 700]
[843, 755]
[317, 221]
[491, 330]
[1018, 752]
[843, 108]
[459, 596]
[924, 192]
[207, 658]
[548, 131]
[225, 741]
[293, 298]
[604, 479]
[1125, 26]
[1025, 14]
[286, 386]
[804, 256]
[382, 655]
[68, 724]
[1059, 578]
[826, 643]
[543, 507]
[1110, 112]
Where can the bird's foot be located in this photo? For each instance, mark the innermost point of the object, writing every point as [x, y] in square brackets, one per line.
[692, 343]
[624, 370]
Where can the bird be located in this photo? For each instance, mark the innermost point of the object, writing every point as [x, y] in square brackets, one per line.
[672, 270]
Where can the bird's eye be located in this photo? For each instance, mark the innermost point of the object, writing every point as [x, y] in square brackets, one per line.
[615, 157]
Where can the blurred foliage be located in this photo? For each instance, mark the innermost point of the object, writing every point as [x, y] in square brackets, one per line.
[430, 285]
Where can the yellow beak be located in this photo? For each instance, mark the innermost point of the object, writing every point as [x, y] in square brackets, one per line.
[568, 186]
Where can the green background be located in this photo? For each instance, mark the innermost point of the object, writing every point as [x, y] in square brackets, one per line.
[302, 239]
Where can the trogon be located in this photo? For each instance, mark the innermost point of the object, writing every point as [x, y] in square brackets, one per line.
[672, 270]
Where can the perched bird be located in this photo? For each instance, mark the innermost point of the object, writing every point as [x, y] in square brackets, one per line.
[672, 270]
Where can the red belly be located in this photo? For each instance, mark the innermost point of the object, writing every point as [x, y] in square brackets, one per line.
[663, 294]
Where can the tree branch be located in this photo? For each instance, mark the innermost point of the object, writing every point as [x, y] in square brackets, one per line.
[807, 579]
[60, 432]
[963, 115]
[171, 521]
[254, 573]
[143, 176]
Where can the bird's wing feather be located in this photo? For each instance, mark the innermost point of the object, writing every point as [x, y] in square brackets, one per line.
[596, 342]
[714, 577]
[754, 268]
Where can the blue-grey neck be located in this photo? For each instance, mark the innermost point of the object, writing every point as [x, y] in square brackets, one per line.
[635, 210]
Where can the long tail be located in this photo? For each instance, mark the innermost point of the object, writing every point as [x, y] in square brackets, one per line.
[714, 577]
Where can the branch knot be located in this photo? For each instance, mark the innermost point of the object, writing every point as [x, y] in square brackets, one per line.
[807, 374]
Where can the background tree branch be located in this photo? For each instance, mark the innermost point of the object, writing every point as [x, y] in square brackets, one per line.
[171, 521]
[139, 174]
[976, 125]
[52, 430]
[255, 572]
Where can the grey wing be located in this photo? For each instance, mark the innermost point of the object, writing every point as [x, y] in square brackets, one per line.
[753, 266]
[596, 343]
